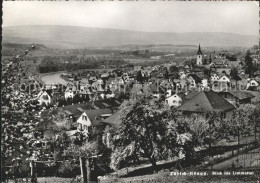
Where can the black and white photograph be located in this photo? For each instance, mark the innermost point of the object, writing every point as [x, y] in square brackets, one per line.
[130, 92]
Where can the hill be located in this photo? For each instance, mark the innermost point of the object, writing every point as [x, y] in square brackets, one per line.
[81, 37]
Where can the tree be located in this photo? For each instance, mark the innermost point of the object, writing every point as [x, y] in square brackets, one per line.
[166, 74]
[207, 72]
[231, 57]
[233, 72]
[149, 131]
[210, 59]
[242, 121]
[205, 61]
[139, 76]
[250, 68]
[209, 130]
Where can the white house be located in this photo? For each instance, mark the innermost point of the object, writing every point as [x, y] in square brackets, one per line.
[70, 91]
[182, 74]
[174, 100]
[44, 97]
[83, 122]
[214, 77]
[168, 93]
[69, 94]
[224, 79]
[204, 82]
[251, 83]
[89, 119]
[191, 81]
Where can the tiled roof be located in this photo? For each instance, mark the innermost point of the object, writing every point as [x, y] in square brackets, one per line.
[74, 109]
[94, 115]
[114, 119]
[239, 94]
[206, 101]
[190, 95]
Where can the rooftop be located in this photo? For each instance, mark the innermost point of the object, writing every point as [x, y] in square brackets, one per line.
[206, 101]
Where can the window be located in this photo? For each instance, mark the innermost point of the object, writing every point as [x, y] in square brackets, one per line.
[79, 126]
[85, 127]
[45, 97]
[84, 117]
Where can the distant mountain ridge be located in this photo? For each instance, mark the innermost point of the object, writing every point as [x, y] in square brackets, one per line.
[56, 36]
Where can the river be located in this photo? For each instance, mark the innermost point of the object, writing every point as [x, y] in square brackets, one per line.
[53, 78]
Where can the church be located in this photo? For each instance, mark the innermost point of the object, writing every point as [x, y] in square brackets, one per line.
[199, 57]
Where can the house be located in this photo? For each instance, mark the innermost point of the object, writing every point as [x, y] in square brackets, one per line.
[252, 84]
[156, 90]
[174, 100]
[237, 97]
[90, 119]
[86, 92]
[207, 101]
[45, 97]
[92, 79]
[182, 74]
[194, 80]
[214, 78]
[187, 68]
[224, 79]
[70, 91]
[104, 75]
[204, 83]
[169, 92]
[99, 81]
[225, 71]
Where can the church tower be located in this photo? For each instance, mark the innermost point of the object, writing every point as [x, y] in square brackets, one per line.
[199, 57]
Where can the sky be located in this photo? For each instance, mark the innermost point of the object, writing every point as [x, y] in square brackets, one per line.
[239, 17]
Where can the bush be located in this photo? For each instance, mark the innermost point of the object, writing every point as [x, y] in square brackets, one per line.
[68, 169]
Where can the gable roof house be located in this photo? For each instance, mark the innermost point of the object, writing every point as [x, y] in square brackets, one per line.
[207, 101]
[224, 79]
[252, 84]
[90, 119]
[194, 80]
[45, 97]
[175, 100]
[70, 91]
[237, 97]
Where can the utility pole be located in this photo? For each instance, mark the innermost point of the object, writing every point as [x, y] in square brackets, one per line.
[33, 174]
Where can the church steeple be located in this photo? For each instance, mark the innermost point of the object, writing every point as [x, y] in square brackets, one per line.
[199, 57]
[199, 51]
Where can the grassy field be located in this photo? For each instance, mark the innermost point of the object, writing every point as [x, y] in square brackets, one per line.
[249, 159]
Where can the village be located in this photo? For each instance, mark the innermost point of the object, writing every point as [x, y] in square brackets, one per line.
[52, 117]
